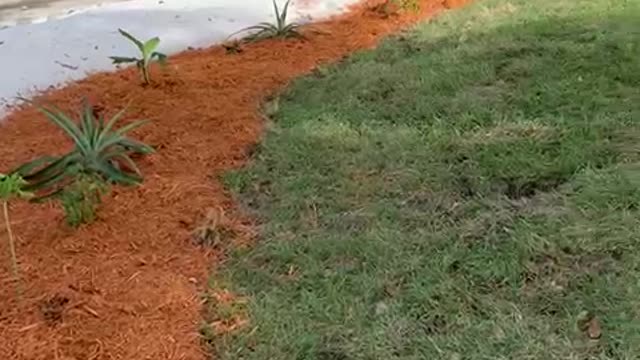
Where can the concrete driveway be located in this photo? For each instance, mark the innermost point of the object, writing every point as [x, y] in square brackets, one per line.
[47, 43]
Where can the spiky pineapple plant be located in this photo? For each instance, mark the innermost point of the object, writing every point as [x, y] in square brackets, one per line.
[101, 153]
[280, 29]
[148, 54]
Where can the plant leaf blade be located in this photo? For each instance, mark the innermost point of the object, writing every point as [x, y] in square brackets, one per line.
[132, 38]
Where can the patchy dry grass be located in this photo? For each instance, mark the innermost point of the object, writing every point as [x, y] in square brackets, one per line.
[469, 190]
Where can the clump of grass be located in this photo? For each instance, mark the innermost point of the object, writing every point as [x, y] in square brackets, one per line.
[81, 198]
[148, 54]
[101, 156]
[225, 316]
[11, 186]
[280, 29]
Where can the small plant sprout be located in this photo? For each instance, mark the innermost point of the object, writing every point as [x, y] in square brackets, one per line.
[81, 198]
[409, 5]
[281, 29]
[148, 54]
[11, 186]
[394, 7]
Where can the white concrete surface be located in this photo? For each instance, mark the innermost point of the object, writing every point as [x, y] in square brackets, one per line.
[49, 52]
[14, 12]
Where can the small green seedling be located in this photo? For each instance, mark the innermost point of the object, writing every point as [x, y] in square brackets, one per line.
[409, 5]
[11, 186]
[80, 199]
[148, 53]
[394, 7]
[281, 29]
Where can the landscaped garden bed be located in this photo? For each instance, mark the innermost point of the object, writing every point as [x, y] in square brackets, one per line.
[469, 189]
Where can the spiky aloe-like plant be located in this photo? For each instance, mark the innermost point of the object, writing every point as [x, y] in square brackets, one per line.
[11, 186]
[279, 29]
[100, 150]
[148, 54]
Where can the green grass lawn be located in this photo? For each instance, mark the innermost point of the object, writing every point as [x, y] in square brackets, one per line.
[466, 191]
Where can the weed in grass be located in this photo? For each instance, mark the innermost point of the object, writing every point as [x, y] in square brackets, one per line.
[226, 314]
[281, 29]
[148, 54]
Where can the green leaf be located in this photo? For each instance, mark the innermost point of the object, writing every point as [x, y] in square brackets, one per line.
[267, 30]
[150, 46]
[107, 142]
[115, 175]
[88, 123]
[134, 125]
[110, 124]
[51, 169]
[277, 11]
[61, 167]
[12, 185]
[130, 163]
[68, 126]
[47, 196]
[283, 19]
[263, 26]
[291, 31]
[98, 131]
[162, 58]
[28, 168]
[136, 146]
[97, 146]
[137, 42]
[47, 183]
[118, 135]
